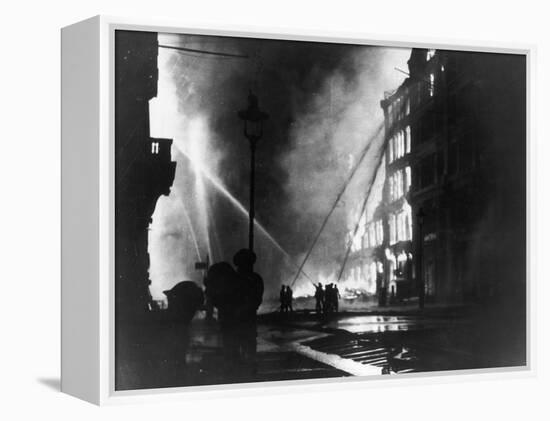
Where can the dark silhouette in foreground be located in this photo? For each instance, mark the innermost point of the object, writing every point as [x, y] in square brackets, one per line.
[184, 300]
[237, 294]
[252, 294]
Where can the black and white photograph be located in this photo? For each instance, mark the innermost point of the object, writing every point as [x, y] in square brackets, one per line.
[297, 210]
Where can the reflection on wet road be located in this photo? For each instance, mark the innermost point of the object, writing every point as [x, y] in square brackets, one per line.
[377, 344]
[372, 324]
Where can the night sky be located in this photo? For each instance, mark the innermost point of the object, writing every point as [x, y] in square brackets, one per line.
[324, 106]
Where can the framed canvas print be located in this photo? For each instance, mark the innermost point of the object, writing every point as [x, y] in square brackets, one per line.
[244, 209]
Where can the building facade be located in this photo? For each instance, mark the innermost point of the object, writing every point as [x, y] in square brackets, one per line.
[143, 168]
[382, 251]
[451, 225]
[467, 125]
[396, 210]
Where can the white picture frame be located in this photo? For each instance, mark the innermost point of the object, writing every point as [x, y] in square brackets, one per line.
[88, 217]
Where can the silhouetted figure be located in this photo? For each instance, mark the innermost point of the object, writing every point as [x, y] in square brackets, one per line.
[335, 298]
[327, 299]
[288, 299]
[223, 289]
[252, 294]
[319, 297]
[184, 300]
[282, 299]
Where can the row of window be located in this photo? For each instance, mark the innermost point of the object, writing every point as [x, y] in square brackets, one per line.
[399, 108]
[374, 234]
[365, 276]
[367, 235]
[460, 159]
[399, 184]
[400, 225]
[399, 145]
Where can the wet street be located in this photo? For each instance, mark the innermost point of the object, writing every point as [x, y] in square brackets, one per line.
[304, 345]
[373, 344]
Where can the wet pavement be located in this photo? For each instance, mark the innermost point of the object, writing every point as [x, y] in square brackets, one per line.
[414, 341]
[370, 345]
[304, 345]
[172, 358]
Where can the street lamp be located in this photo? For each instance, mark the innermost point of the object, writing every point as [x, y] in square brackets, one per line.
[420, 215]
[253, 130]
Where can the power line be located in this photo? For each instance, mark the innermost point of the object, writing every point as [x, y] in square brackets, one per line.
[212, 53]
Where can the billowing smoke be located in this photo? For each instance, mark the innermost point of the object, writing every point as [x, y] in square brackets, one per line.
[333, 131]
[324, 106]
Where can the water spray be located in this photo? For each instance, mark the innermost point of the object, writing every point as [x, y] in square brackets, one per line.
[197, 167]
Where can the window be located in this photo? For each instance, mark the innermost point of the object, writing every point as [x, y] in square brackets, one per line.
[395, 182]
[400, 226]
[400, 146]
[399, 109]
[407, 222]
[403, 224]
[356, 243]
[374, 234]
[393, 233]
[408, 226]
[372, 237]
[398, 184]
[379, 232]
[155, 148]
[407, 179]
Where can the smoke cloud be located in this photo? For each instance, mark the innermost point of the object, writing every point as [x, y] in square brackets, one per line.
[324, 106]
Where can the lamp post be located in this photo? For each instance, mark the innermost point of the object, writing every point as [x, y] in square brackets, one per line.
[420, 215]
[253, 130]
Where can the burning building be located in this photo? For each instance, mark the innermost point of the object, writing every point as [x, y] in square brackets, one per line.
[143, 171]
[383, 244]
[396, 212]
[451, 224]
